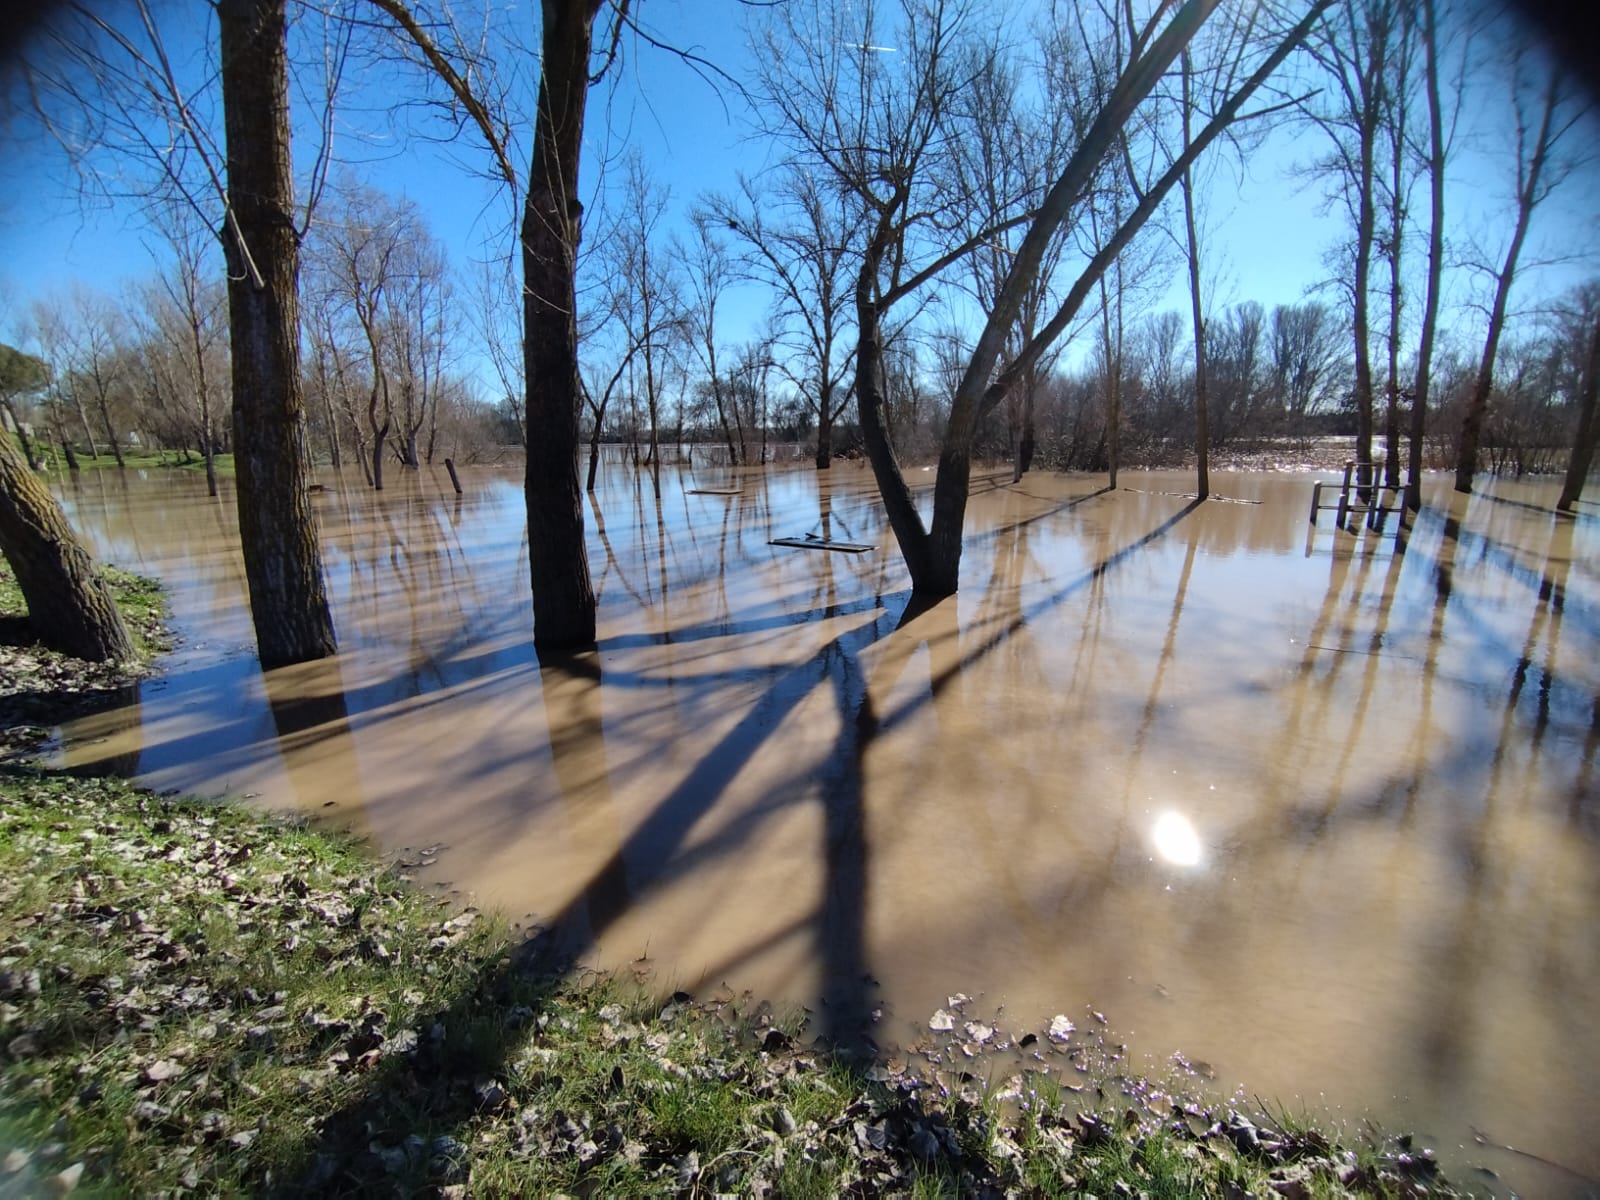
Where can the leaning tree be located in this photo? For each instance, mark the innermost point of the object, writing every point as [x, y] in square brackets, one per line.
[69, 605]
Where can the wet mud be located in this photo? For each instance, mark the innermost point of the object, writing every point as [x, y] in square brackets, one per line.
[1319, 809]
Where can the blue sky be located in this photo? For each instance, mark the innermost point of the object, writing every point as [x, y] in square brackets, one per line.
[1268, 232]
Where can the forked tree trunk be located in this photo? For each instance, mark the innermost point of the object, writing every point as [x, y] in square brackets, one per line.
[70, 607]
[282, 559]
[563, 595]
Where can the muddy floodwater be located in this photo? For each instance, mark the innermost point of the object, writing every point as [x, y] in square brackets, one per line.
[1319, 814]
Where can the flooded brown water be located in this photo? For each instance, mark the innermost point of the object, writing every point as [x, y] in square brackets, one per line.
[1322, 815]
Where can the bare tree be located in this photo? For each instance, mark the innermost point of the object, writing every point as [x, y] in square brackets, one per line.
[1435, 157]
[550, 230]
[185, 313]
[1395, 200]
[1202, 388]
[645, 298]
[708, 270]
[91, 336]
[359, 252]
[797, 238]
[873, 131]
[1355, 49]
[1305, 360]
[1547, 111]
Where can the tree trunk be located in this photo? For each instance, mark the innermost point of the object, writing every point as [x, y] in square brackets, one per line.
[824, 457]
[66, 449]
[915, 545]
[1202, 422]
[1430, 307]
[563, 595]
[1588, 428]
[209, 451]
[1391, 413]
[70, 607]
[282, 559]
[1202, 418]
[111, 433]
[208, 440]
[22, 435]
[333, 432]
[379, 437]
[88, 432]
[1366, 221]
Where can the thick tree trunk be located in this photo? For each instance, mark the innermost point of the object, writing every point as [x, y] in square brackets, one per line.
[379, 439]
[282, 559]
[824, 458]
[69, 606]
[901, 508]
[1583, 442]
[563, 595]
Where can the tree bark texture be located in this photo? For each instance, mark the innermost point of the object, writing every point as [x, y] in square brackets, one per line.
[282, 559]
[70, 607]
[563, 595]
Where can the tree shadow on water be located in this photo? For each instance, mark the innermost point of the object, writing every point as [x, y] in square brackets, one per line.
[434, 1086]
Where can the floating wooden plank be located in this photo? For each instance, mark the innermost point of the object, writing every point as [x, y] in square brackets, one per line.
[1192, 496]
[714, 491]
[816, 543]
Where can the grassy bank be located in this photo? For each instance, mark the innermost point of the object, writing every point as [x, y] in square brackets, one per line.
[41, 688]
[134, 460]
[200, 998]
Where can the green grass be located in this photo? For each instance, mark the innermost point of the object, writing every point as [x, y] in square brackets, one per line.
[142, 601]
[154, 460]
[141, 460]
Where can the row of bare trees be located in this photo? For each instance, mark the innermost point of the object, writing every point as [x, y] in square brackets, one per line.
[380, 343]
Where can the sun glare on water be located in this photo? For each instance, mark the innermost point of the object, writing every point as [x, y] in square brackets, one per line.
[1175, 839]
